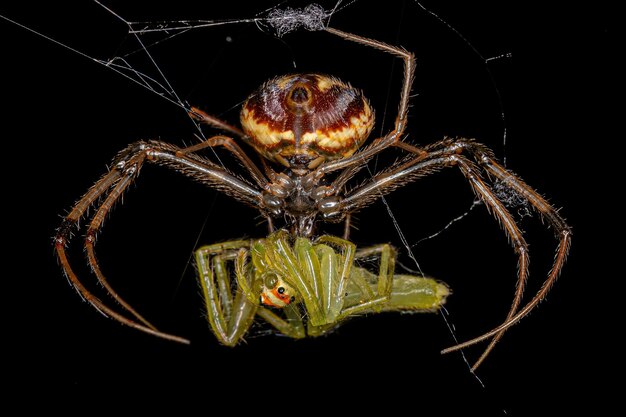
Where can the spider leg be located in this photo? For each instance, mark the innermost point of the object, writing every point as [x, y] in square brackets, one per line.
[360, 158]
[373, 298]
[483, 156]
[291, 325]
[198, 114]
[229, 315]
[448, 153]
[125, 169]
[561, 229]
[273, 189]
[198, 169]
[334, 284]
[62, 239]
[346, 226]
[235, 149]
[89, 241]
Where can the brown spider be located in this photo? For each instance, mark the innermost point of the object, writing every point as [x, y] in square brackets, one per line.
[305, 127]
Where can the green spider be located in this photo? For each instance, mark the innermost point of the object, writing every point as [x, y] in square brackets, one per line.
[312, 285]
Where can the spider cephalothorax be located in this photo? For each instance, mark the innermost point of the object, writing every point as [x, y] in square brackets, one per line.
[305, 127]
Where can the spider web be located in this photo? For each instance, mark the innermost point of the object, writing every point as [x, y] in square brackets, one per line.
[136, 60]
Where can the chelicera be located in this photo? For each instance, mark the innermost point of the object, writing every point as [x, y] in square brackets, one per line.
[310, 133]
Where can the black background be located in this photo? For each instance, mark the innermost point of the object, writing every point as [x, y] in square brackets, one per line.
[65, 117]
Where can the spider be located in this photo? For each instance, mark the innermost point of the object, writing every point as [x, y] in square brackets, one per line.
[319, 275]
[309, 131]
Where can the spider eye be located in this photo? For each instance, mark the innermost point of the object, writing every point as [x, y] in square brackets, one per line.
[281, 290]
[270, 280]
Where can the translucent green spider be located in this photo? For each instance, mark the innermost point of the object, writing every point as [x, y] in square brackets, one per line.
[313, 285]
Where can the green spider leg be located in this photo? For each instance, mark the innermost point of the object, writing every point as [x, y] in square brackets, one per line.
[375, 290]
[291, 325]
[229, 313]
